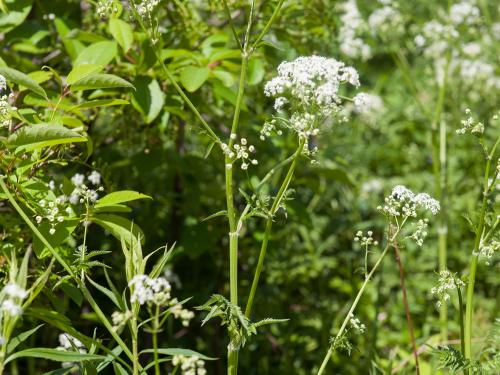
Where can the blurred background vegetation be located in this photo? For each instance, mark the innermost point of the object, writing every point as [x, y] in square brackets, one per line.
[313, 267]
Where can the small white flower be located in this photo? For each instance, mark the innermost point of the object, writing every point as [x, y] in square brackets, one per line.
[11, 308]
[94, 178]
[78, 179]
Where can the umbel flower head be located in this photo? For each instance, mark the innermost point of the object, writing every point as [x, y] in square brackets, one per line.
[402, 202]
[308, 88]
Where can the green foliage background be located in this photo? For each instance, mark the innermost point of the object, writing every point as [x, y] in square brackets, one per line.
[313, 267]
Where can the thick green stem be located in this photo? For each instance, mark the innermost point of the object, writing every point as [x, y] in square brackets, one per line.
[356, 301]
[135, 350]
[469, 308]
[269, 225]
[156, 327]
[461, 318]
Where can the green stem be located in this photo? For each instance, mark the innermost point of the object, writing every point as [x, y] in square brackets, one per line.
[156, 327]
[461, 318]
[172, 80]
[356, 301]
[268, 25]
[269, 225]
[135, 351]
[102, 317]
[469, 307]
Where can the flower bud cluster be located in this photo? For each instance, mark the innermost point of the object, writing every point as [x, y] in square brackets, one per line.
[189, 365]
[106, 7]
[356, 324]
[12, 296]
[83, 193]
[447, 283]
[146, 8]
[54, 212]
[6, 109]
[420, 232]
[487, 251]
[469, 125]
[239, 151]
[367, 240]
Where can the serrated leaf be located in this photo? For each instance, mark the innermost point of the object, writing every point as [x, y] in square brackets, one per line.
[148, 98]
[100, 81]
[192, 77]
[22, 79]
[43, 135]
[122, 32]
[55, 355]
[100, 53]
[178, 351]
[118, 197]
[82, 71]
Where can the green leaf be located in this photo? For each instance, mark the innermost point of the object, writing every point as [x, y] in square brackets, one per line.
[43, 135]
[192, 77]
[120, 197]
[148, 98]
[101, 103]
[179, 351]
[119, 227]
[122, 32]
[100, 81]
[100, 53]
[106, 292]
[55, 355]
[22, 79]
[82, 71]
[256, 71]
[18, 11]
[14, 343]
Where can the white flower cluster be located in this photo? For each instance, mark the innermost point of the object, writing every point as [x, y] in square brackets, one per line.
[53, 211]
[447, 283]
[311, 84]
[464, 13]
[106, 7]
[352, 26]
[403, 202]
[147, 290]
[189, 365]
[420, 232]
[356, 324]
[82, 193]
[146, 8]
[469, 125]
[178, 312]
[386, 21]
[12, 296]
[239, 151]
[6, 109]
[486, 251]
[367, 240]
[368, 104]
[119, 319]
[3, 83]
